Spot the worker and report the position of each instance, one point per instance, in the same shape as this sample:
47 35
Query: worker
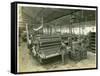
63 52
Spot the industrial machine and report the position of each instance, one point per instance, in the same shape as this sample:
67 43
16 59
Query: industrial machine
45 47
92 42
46 42
78 51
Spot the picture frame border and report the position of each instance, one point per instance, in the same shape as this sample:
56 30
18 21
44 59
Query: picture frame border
14 36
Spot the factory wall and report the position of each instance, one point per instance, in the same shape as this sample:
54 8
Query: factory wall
82 24
77 28
23 19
